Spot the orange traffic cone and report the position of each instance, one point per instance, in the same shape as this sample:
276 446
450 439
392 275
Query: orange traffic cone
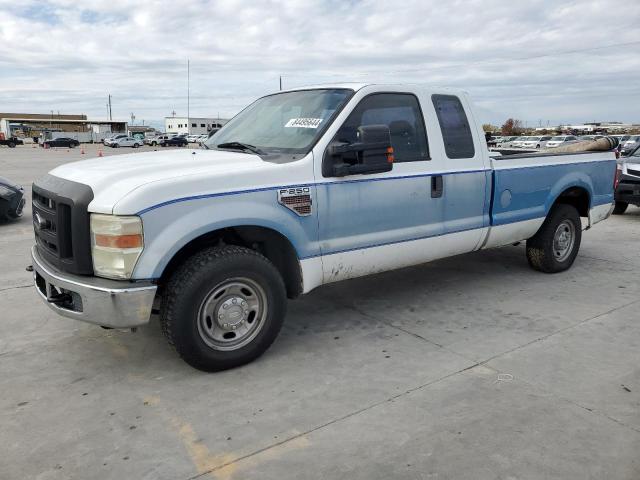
100 152
82 151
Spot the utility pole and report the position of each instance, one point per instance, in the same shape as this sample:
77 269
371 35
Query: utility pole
109 106
280 82
188 96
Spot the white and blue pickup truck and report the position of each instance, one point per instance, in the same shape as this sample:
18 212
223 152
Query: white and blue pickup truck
302 188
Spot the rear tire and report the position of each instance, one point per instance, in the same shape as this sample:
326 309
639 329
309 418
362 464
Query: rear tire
555 246
620 208
223 307
11 145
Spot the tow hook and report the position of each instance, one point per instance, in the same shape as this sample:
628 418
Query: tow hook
60 298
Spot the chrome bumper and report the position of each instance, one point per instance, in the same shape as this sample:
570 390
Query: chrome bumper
110 303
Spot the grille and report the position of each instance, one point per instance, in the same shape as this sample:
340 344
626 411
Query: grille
301 204
52 226
633 172
61 224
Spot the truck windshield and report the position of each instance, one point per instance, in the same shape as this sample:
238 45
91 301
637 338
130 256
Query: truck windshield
282 124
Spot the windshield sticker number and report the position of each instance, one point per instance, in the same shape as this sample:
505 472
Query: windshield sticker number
304 123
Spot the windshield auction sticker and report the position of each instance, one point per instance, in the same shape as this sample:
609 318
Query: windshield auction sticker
304 122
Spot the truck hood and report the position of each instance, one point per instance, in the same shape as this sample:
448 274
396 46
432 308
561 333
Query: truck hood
128 184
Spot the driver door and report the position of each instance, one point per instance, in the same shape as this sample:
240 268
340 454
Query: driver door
371 222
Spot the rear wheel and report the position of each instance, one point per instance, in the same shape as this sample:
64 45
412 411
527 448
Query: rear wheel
620 208
223 307
555 246
11 145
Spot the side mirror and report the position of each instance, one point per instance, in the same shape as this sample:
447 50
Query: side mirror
373 153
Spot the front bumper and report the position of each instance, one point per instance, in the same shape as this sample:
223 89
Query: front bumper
628 191
109 303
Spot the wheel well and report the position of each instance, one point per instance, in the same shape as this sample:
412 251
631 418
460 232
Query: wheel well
578 197
273 245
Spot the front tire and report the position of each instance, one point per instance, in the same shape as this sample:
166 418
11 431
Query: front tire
555 246
620 208
223 307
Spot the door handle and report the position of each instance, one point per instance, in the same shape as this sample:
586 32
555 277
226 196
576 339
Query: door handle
437 186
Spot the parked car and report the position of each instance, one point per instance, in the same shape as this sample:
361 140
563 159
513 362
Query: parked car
505 142
11 200
192 138
517 143
628 182
109 140
157 140
630 145
536 142
273 209
61 142
202 138
561 140
126 142
10 142
178 141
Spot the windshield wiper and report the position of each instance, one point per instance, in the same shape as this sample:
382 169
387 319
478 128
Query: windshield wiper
241 146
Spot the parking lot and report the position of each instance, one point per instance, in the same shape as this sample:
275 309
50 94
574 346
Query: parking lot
470 367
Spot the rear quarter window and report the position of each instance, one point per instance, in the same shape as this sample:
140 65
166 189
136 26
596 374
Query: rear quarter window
456 132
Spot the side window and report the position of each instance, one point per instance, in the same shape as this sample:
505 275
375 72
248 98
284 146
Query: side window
398 111
458 142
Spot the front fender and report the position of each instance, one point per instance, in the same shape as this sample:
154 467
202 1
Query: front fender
169 228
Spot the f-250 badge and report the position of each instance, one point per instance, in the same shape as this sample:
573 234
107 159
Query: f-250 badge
296 199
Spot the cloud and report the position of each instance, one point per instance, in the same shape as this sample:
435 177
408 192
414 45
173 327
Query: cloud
538 60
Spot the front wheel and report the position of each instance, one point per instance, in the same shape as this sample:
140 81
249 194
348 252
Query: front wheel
555 246
620 208
223 307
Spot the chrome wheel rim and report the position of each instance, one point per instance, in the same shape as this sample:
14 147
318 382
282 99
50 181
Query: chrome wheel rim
563 240
232 314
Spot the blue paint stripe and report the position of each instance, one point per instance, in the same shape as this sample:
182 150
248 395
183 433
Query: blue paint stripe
277 187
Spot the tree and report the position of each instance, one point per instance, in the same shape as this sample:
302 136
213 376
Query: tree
512 127
487 127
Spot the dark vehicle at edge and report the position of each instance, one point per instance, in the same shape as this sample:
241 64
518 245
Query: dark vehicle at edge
61 142
10 142
174 142
628 185
11 200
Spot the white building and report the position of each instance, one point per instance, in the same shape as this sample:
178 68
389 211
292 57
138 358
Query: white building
192 125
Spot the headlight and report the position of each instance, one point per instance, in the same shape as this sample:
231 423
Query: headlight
116 244
6 191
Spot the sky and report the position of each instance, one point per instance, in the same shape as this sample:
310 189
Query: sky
544 62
